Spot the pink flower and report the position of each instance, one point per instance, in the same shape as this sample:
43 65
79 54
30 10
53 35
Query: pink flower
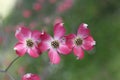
36 6
26 13
30 76
55 45
27 42
82 41
64 6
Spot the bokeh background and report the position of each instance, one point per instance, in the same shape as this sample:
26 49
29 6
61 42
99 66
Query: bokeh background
103 18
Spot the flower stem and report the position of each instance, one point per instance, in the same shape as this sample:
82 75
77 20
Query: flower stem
10 65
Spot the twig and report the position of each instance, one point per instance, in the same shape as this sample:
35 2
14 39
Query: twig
9 65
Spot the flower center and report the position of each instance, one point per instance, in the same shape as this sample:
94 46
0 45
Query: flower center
29 43
78 41
55 44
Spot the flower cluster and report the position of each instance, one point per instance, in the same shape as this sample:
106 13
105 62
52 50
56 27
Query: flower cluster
36 42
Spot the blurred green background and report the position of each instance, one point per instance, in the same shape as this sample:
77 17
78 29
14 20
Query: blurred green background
103 18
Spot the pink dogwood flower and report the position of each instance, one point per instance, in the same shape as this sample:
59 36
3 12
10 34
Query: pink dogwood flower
54 45
26 13
64 6
37 6
30 76
27 42
82 41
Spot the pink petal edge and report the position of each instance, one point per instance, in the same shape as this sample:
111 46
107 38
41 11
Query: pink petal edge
70 40
54 56
20 49
36 34
83 31
88 43
43 46
22 32
59 30
34 52
45 37
30 76
78 51
64 49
